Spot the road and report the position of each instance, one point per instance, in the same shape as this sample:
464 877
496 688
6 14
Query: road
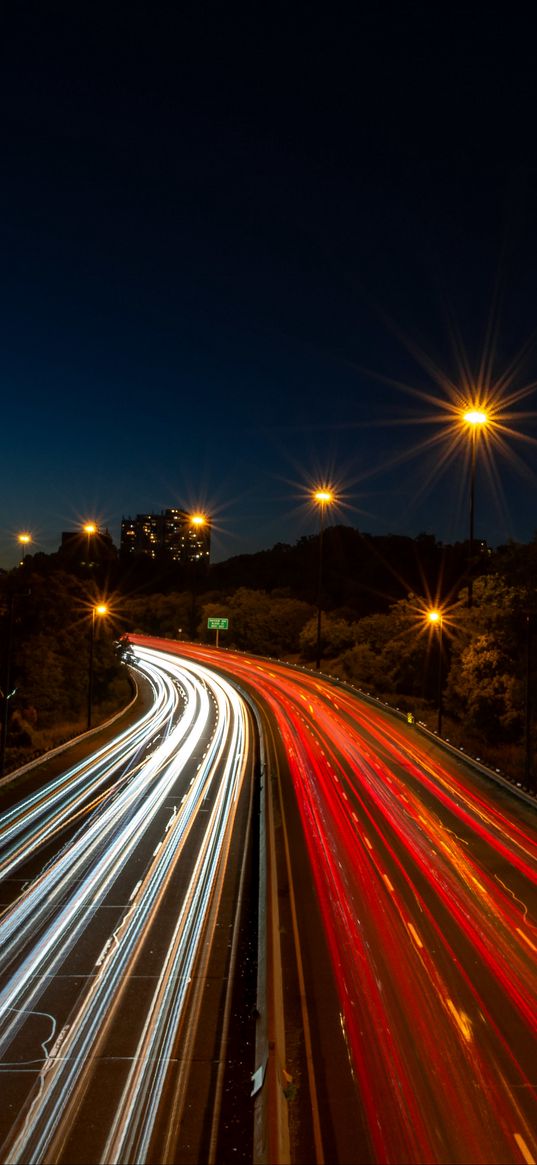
407 889
120 881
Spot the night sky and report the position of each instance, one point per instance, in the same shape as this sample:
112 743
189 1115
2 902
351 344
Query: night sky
242 255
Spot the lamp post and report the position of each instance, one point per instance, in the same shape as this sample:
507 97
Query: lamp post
99 609
323 497
196 522
476 419
435 619
89 529
24 540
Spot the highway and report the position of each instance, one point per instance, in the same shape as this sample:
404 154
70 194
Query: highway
403 935
119 883
407 891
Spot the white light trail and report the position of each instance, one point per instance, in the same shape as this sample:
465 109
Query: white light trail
55 910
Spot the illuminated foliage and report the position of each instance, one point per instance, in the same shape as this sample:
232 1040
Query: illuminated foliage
261 623
485 683
49 660
336 636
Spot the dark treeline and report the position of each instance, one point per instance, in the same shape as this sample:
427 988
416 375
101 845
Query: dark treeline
45 628
362 572
374 594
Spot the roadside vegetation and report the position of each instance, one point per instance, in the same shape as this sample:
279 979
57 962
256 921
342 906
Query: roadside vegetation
46 621
375 634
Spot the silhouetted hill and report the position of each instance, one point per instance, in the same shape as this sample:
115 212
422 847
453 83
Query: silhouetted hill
361 572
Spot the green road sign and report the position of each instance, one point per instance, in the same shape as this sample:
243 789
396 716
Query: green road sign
217 624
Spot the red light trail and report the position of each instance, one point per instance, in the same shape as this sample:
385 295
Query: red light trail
427 892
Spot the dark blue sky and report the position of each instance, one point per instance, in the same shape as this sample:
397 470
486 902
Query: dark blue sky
221 239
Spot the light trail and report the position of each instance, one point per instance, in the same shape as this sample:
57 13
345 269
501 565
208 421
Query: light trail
52 916
427 891
32 822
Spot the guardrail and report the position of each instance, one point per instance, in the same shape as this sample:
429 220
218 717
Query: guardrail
513 786
509 783
48 753
271 1121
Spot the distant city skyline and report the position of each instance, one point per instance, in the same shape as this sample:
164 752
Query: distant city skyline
173 534
300 521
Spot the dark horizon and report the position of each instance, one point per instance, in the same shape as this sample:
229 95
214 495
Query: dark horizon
243 258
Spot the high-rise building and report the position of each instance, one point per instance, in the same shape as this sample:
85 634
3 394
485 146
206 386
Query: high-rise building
142 535
171 536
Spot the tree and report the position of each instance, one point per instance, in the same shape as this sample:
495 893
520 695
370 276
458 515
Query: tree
50 652
392 653
483 690
261 623
157 614
336 636
485 684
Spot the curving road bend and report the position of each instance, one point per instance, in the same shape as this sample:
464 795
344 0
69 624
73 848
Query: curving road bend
411 896
113 878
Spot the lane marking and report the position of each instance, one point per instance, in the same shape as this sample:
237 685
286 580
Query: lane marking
462 1021
415 935
529 1159
135 891
526 939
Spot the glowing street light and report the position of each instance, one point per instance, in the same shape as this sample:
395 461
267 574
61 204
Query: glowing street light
435 619
197 522
477 419
323 497
24 539
98 611
89 529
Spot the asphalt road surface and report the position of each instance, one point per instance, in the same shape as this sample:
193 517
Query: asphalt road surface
407 923
409 933
120 881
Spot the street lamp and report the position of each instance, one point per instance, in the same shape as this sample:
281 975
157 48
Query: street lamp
98 610
24 540
196 522
89 529
435 619
322 497
476 419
